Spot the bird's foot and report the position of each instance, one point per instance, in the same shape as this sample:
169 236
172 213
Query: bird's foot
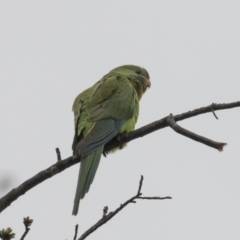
119 140
105 153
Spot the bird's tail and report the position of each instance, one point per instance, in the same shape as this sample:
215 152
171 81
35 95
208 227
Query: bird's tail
87 171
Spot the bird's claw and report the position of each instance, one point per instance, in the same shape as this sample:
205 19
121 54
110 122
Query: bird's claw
119 140
105 153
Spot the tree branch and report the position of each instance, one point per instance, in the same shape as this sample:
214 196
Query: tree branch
107 216
162 123
60 166
218 145
56 168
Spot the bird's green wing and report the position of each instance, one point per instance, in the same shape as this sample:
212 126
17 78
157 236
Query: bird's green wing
109 107
81 123
112 98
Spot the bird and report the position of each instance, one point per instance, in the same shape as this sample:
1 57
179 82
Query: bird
106 110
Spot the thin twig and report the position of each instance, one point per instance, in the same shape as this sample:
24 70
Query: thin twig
59 158
107 217
27 223
105 211
218 145
154 198
25 233
76 232
214 114
140 186
60 166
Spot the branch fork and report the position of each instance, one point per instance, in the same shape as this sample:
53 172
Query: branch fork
107 216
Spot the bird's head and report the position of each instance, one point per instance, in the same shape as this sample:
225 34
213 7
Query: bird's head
138 77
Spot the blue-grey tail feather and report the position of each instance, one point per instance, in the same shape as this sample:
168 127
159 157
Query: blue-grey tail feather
90 149
87 172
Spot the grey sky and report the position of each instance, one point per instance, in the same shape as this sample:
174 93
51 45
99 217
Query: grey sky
52 50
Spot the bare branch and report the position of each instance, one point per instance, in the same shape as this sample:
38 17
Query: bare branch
59 158
56 168
218 145
25 233
214 114
116 142
154 198
76 232
106 217
162 123
140 186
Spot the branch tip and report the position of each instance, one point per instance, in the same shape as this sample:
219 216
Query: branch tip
59 158
214 114
140 186
76 232
7 234
180 130
105 211
221 146
155 198
27 221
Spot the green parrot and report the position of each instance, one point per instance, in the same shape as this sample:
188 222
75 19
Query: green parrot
108 108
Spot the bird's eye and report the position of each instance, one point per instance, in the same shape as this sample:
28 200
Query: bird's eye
138 71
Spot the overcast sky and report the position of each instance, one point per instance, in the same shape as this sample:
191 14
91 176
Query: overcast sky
50 51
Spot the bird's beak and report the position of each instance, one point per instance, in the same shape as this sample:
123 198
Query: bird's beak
148 83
